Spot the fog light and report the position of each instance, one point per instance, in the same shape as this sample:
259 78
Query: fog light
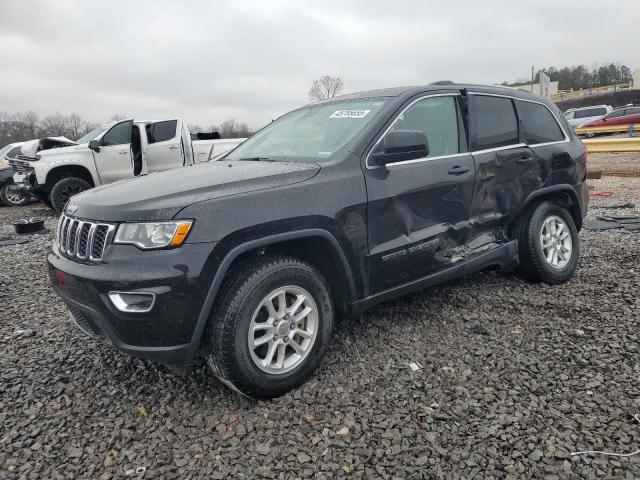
133 302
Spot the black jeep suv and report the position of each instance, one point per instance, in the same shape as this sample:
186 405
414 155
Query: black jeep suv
332 208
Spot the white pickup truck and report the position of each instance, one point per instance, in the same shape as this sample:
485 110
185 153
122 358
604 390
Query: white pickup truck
124 149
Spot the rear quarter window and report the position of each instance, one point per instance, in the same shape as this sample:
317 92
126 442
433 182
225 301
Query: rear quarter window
493 122
539 124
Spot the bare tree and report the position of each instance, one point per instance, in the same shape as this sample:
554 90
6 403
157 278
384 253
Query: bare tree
55 125
232 129
326 87
76 126
27 123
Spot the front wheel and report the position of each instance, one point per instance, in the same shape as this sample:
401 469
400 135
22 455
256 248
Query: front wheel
12 197
270 328
548 243
64 189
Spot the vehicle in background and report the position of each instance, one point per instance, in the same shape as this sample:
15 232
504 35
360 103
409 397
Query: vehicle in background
333 207
619 116
9 195
120 150
578 116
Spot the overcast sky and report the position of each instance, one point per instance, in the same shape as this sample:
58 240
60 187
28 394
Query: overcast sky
206 61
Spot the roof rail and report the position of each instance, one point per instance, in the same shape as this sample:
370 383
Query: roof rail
442 82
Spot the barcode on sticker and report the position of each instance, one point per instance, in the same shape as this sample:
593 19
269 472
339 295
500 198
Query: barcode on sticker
349 113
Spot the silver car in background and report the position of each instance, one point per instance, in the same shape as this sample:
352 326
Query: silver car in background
578 116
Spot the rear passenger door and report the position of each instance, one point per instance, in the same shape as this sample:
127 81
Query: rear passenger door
418 210
507 170
163 149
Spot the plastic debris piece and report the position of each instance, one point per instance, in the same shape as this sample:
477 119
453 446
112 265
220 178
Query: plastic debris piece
415 366
600 193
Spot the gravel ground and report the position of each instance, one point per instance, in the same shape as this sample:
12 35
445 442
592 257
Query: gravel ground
615 162
514 377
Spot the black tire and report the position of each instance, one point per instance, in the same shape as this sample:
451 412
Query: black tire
533 263
64 189
226 342
12 198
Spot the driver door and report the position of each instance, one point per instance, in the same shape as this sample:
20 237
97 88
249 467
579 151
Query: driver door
418 210
114 161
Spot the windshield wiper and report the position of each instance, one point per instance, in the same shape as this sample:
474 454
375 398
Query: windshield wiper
257 159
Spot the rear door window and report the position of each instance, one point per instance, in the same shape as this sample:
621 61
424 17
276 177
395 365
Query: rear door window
161 131
493 122
539 124
616 113
437 117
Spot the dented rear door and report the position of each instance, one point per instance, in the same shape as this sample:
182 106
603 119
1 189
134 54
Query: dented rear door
418 210
507 170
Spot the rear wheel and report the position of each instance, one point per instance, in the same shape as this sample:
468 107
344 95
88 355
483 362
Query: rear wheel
64 189
270 328
12 197
548 243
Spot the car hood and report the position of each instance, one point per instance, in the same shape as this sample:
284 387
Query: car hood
62 150
160 196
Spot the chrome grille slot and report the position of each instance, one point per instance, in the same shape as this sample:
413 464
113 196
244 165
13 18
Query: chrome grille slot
83 240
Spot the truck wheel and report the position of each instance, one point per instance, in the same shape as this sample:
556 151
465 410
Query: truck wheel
11 197
64 189
548 243
270 328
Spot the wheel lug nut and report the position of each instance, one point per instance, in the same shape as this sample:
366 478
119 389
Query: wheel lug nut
292 326
275 338
286 339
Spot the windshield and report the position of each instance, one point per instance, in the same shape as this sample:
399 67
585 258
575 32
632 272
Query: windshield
91 135
316 131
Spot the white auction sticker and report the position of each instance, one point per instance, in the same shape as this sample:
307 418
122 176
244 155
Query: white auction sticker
349 114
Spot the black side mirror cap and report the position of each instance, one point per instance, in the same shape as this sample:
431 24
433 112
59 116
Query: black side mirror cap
401 145
94 145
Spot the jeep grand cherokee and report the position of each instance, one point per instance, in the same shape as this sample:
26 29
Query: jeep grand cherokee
332 208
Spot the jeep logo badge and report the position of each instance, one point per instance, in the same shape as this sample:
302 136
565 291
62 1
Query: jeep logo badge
72 208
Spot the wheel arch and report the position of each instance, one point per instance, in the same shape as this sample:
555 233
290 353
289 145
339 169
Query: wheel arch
335 268
564 195
63 171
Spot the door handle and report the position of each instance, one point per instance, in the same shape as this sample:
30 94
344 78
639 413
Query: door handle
123 152
173 147
458 170
525 159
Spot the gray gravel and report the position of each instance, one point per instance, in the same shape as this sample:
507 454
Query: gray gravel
514 377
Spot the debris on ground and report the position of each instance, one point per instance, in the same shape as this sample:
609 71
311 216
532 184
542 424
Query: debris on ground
12 241
600 193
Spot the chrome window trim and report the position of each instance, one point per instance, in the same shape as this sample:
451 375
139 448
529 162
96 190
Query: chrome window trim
567 139
405 162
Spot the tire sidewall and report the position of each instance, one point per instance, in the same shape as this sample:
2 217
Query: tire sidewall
57 202
549 273
295 275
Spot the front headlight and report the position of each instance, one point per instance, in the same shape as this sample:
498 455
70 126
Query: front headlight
153 234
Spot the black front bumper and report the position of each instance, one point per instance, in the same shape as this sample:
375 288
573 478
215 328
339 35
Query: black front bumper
166 334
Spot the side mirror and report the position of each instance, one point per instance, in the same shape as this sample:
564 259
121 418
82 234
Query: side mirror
94 145
401 145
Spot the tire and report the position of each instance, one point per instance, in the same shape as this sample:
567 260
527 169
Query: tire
536 222
11 198
64 189
242 304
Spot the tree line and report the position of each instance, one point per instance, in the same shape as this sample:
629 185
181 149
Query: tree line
580 76
22 126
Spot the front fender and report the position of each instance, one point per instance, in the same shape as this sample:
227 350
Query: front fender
235 252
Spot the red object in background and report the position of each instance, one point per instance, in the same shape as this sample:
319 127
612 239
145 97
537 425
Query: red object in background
621 116
600 193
